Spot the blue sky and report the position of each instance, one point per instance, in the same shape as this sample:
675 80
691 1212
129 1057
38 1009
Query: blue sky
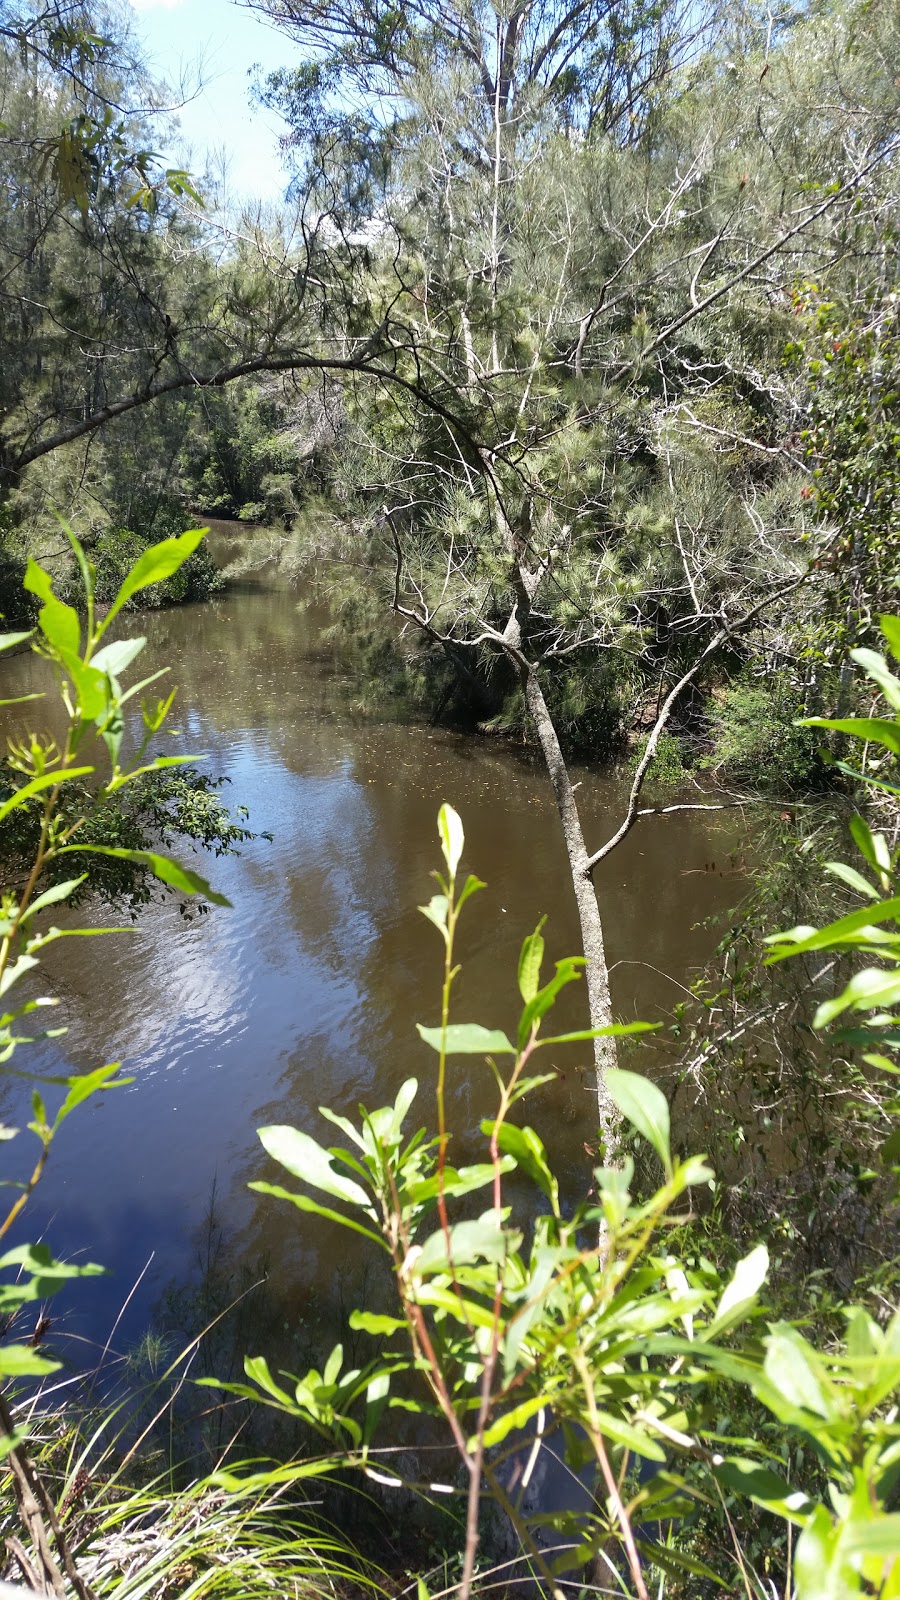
223 41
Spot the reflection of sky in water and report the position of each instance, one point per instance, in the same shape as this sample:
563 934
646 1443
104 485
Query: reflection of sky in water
307 991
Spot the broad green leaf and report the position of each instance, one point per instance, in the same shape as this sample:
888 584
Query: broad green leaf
452 838
369 1322
614 1030
20 1361
87 1084
47 780
764 1487
645 1107
84 566
633 1438
92 689
849 875
39 1275
304 1202
333 1366
822 1566
466 1039
865 843
257 1370
306 1160
840 932
162 867
530 1156
116 657
876 729
436 912
515 1418
470 887
51 896
13 973
876 668
406 1094
158 764
8 641
793 1368
740 1293
875 1536
482 1240
531 957
872 988
567 971
154 566
58 622
890 627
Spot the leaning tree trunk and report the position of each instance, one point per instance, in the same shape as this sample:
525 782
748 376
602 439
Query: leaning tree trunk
588 910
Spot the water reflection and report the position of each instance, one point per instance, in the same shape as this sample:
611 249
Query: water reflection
307 992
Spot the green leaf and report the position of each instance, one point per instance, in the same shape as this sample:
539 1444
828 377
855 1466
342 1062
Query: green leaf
470 887
466 1039
871 989
740 1293
333 1366
8 641
369 1322
865 843
529 1155
876 668
822 1567
675 1562
87 1084
531 957
633 1438
162 867
36 785
116 657
567 971
257 1370
890 627
840 932
516 1417
39 1275
154 566
614 1030
878 1536
306 1159
51 896
875 729
20 1361
764 1487
849 875
436 912
645 1107
482 1240
58 622
793 1368
304 1202
84 566
452 838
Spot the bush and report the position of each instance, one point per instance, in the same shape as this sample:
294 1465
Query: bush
117 549
756 742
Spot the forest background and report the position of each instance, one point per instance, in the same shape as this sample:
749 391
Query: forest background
568 373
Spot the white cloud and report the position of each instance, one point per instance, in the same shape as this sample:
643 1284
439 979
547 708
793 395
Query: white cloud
156 5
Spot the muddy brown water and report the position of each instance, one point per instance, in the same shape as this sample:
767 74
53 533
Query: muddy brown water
307 991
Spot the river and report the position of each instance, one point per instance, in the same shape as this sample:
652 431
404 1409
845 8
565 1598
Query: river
307 991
